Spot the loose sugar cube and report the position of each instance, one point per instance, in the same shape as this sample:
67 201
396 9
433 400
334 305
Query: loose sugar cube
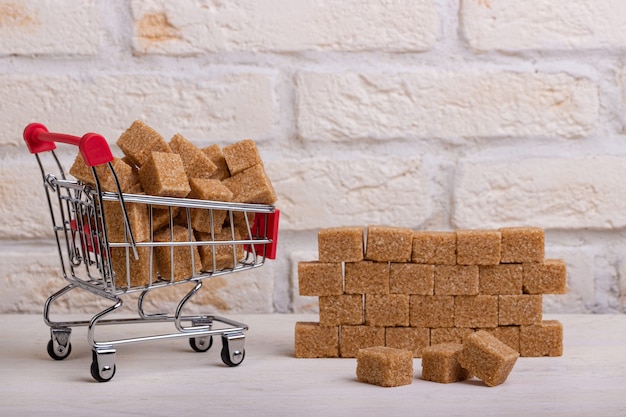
476 311
440 363
215 154
315 341
500 279
251 186
414 339
456 280
522 244
139 141
393 244
116 226
387 309
431 311
341 309
384 366
478 247
449 334
205 220
340 244
367 277
353 338
544 339
487 358
197 164
320 278
521 309
163 174
131 272
226 255
176 263
409 278
127 180
241 155
548 277
436 248
509 335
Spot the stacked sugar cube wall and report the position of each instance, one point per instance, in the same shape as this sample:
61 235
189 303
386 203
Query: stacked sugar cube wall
395 287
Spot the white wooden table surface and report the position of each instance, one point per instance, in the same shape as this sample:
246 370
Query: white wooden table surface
167 378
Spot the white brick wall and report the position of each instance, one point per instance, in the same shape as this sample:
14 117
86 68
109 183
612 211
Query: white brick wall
431 114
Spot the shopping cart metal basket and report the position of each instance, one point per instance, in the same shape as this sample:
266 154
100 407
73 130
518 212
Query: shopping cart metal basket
101 251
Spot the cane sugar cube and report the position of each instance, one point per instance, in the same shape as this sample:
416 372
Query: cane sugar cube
215 154
456 279
139 141
500 279
478 247
243 221
131 272
548 277
544 339
163 174
410 278
521 309
487 358
509 335
83 172
320 278
315 341
440 363
353 338
387 310
449 334
384 366
366 277
251 186
162 217
226 255
431 311
436 248
241 155
388 244
414 339
341 309
176 263
522 244
197 163
138 218
205 220
340 244
476 311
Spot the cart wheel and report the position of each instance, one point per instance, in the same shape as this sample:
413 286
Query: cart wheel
201 344
233 352
59 354
236 361
102 370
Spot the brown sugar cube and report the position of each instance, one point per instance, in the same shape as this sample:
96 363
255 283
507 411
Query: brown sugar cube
545 339
449 334
243 221
197 163
509 335
215 154
484 356
251 186
131 272
139 141
320 278
384 366
162 217
500 279
385 243
226 255
456 280
387 310
431 311
476 311
414 339
340 244
353 338
522 244
341 309
409 278
521 309
241 155
436 248
367 277
440 363
478 247
176 263
315 341
205 220
116 226
127 180
548 277
163 174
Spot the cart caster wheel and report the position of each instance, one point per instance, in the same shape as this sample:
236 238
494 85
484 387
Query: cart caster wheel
201 344
103 366
233 352
60 353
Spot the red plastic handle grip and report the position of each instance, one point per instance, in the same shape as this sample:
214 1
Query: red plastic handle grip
93 147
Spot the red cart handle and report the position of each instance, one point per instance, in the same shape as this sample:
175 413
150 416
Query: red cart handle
93 147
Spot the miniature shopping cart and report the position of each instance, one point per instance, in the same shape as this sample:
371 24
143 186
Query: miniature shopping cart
239 237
